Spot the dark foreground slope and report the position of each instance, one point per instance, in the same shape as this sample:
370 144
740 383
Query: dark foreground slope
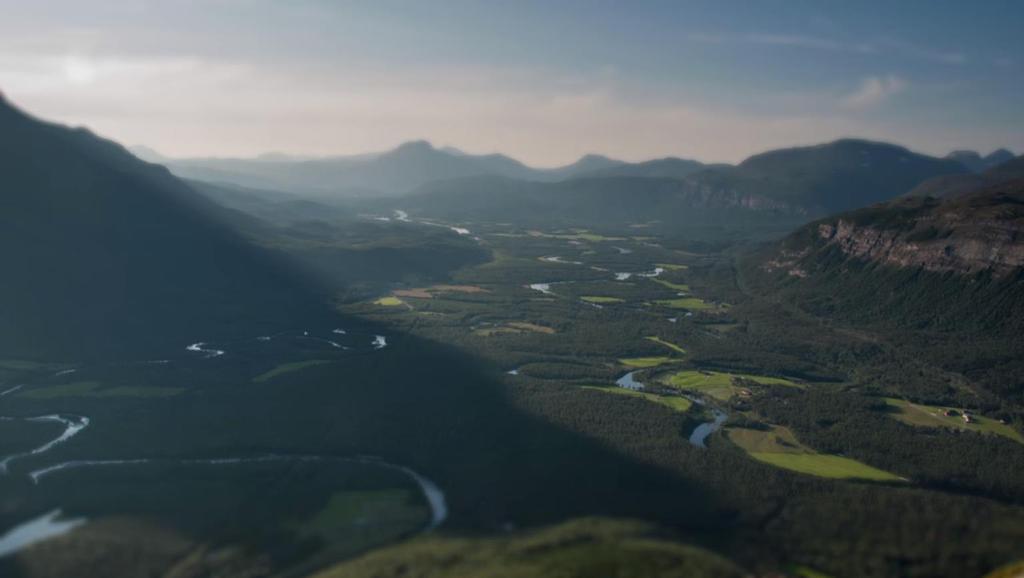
946 275
105 255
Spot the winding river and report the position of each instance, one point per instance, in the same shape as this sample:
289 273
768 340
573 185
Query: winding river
701 432
72 425
432 493
51 525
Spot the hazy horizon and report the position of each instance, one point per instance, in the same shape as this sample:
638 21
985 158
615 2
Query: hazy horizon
455 148
543 84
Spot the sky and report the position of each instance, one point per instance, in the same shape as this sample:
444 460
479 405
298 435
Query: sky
545 81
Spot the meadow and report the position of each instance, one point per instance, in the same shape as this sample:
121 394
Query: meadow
778 446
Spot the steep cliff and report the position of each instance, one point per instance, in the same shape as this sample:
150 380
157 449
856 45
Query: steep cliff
979 232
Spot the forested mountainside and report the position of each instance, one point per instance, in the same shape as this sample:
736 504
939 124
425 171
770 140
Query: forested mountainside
946 274
837 176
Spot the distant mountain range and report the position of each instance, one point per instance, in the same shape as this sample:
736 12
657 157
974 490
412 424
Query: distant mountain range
106 256
398 171
817 179
960 184
977 163
784 186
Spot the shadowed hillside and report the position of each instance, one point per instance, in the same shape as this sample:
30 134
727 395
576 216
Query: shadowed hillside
106 255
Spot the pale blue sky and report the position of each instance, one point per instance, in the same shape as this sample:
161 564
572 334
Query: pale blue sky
545 81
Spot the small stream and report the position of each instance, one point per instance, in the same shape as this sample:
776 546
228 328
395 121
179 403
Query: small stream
544 288
627 382
198 347
700 433
10 390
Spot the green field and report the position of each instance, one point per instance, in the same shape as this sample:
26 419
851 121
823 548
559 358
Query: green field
688 303
389 301
671 285
671 346
577 235
825 466
778 446
92 389
645 362
601 299
672 266
932 416
288 368
680 404
717 384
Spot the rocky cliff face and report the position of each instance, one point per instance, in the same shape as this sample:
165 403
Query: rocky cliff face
989 246
979 232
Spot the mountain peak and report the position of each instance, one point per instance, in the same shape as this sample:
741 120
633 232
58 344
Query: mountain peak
415 146
594 158
963 154
977 163
999 156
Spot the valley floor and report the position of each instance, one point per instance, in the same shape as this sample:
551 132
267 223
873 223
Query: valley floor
574 374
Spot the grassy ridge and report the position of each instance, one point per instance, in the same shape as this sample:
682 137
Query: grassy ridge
933 416
576 549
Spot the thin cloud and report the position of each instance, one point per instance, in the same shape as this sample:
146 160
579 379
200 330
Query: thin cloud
925 53
808 42
873 90
818 43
